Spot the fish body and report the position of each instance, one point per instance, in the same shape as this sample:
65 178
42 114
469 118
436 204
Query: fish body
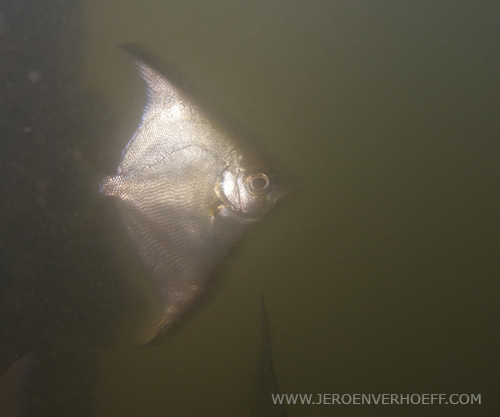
187 188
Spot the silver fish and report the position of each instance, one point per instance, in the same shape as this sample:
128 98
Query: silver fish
187 188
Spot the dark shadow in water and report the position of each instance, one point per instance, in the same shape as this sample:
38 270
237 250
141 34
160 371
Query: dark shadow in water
59 299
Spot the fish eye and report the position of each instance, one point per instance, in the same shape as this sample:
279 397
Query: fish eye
257 183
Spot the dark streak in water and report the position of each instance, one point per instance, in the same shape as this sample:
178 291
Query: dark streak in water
267 383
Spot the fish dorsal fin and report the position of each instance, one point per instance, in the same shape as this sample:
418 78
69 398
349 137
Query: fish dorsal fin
157 84
169 120
159 87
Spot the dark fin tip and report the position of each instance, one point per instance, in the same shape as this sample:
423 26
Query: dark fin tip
137 51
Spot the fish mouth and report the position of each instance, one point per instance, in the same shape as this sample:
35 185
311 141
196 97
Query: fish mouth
282 187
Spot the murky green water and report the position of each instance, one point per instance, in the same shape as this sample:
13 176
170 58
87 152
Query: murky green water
381 271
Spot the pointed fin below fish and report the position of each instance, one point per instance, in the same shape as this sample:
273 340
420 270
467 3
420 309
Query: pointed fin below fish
267 384
151 331
177 243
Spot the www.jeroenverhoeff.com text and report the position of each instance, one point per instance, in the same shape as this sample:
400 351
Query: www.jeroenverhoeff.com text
377 399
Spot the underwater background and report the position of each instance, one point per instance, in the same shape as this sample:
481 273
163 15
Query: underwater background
380 272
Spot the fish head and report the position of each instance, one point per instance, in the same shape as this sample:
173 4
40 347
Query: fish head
251 191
